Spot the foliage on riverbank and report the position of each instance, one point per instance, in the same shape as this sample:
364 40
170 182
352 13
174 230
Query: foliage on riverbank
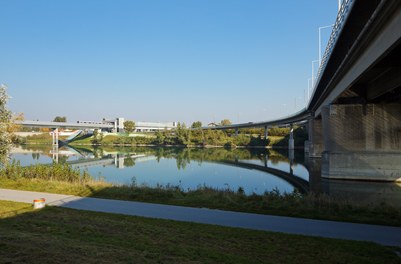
63 179
41 139
278 137
62 235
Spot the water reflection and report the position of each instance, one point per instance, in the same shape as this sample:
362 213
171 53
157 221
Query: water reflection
187 168
364 192
255 170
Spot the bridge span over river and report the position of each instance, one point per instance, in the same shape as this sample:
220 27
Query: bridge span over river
354 114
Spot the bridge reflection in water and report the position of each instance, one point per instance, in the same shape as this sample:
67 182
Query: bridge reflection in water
302 173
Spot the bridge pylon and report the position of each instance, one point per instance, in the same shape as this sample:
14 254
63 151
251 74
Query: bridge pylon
55 137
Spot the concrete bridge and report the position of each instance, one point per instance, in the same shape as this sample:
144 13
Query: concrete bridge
78 125
354 114
114 125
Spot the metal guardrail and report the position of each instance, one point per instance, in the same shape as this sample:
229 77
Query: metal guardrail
338 26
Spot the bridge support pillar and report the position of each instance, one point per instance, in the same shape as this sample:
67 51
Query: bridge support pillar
362 142
55 145
291 140
315 179
266 160
315 147
266 132
236 132
55 137
55 153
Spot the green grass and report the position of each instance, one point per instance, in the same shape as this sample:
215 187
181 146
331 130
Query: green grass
60 235
294 204
44 138
115 139
276 140
58 171
82 140
54 186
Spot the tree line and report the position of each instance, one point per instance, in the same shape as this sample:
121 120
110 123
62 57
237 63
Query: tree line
184 136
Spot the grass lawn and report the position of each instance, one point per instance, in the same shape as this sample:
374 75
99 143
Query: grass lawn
295 205
59 235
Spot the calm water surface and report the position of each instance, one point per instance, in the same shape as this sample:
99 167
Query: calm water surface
254 170
187 168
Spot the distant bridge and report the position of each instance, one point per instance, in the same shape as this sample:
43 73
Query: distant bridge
116 125
55 125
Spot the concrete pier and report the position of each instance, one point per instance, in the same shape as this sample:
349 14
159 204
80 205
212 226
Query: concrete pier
315 138
362 142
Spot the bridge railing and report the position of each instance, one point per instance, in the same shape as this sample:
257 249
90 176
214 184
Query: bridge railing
338 26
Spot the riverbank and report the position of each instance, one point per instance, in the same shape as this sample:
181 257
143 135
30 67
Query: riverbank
181 137
66 235
63 180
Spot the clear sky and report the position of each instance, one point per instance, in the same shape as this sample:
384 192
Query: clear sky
160 60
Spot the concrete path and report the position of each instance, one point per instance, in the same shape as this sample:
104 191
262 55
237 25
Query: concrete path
385 235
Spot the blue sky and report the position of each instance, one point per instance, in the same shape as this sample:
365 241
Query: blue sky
160 60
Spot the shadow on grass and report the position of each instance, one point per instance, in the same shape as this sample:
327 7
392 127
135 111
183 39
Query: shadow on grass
61 235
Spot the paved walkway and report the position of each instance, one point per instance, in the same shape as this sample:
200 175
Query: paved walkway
385 235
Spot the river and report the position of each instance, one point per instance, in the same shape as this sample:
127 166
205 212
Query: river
253 170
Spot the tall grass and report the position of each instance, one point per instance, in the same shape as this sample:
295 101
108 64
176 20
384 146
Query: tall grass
56 172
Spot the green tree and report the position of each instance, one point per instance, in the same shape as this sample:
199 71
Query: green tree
5 124
225 122
129 161
279 131
196 124
180 133
183 134
129 126
97 137
60 119
160 137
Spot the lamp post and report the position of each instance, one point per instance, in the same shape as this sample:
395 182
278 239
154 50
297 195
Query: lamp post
309 88
320 42
313 72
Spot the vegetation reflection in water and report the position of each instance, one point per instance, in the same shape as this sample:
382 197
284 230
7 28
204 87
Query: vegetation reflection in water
187 168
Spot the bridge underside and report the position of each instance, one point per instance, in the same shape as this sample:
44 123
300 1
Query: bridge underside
357 128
